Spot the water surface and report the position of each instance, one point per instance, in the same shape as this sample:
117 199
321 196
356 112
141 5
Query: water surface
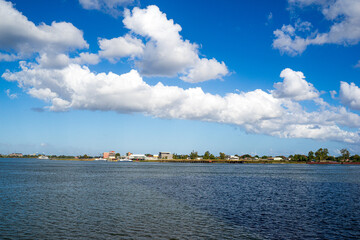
91 200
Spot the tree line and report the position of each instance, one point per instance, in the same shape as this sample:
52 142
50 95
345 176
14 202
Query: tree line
322 154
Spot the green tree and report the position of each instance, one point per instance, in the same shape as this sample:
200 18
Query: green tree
311 156
117 155
355 158
344 154
206 155
264 157
212 156
321 154
222 155
193 155
299 158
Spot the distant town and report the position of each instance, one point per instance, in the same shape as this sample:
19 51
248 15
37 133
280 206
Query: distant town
319 156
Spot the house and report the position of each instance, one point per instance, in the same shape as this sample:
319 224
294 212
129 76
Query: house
165 155
109 155
16 155
232 157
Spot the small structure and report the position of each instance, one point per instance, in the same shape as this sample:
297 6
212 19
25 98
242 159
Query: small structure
109 155
137 157
165 155
232 157
278 159
16 155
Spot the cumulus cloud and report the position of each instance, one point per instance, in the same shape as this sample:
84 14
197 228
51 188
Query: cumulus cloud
53 60
116 48
86 58
206 69
42 93
350 95
61 60
76 87
112 7
344 16
164 52
23 37
288 42
154 43
8 57
294 86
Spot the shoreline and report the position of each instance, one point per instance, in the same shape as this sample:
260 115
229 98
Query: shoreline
222 161
207 161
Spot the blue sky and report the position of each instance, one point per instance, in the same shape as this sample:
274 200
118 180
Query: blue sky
258 77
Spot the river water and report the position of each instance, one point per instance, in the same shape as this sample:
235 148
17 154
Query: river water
45 199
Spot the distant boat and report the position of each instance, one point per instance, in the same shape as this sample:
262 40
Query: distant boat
43 157
100 159
125 160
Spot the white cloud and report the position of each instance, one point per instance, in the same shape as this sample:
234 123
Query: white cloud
357 65
112 7
57 61
53 60
22 39
165 52
59 105
294 86
350 95
10 95
42 93
19 35
86 58
204 70
287 42
8 57
333 94
344 16
76 87
116 48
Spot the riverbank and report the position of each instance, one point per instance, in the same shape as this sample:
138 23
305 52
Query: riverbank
260 161
195 161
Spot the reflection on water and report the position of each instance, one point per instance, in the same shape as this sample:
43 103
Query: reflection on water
68 199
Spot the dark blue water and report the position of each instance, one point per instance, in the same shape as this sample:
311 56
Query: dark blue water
44 199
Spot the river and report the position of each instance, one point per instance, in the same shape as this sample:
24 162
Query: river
47 199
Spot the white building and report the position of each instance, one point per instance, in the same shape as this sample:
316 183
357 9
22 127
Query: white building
165 155
233 157
137 157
